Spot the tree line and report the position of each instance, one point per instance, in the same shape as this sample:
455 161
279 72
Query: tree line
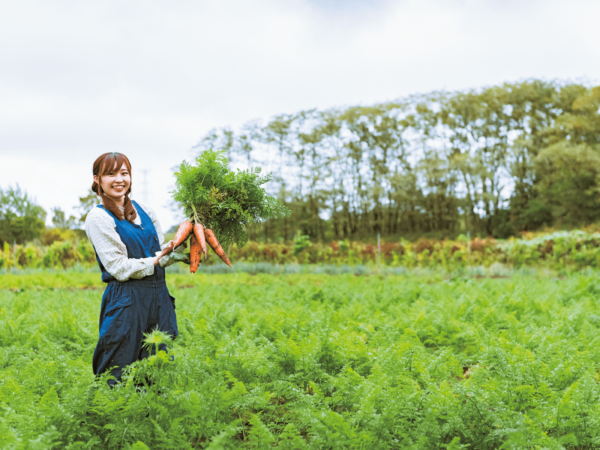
493 161
23 220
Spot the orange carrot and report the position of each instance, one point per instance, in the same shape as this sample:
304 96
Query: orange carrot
182 234
214 244
199 233
195 254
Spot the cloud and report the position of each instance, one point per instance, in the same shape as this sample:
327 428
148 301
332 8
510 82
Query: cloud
149 78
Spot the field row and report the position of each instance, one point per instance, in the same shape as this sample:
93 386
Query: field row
558 250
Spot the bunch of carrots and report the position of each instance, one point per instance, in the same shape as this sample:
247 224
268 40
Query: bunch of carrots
199 237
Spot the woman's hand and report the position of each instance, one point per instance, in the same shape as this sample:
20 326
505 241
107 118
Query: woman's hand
157 259
179 254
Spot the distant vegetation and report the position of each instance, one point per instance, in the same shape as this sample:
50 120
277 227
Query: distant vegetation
493 161
23 221
559 250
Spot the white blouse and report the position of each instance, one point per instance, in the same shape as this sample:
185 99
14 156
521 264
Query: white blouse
101 229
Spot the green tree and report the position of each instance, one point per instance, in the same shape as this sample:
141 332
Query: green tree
536 106
21 219
569 190
493 161
86 203
568 170
59 220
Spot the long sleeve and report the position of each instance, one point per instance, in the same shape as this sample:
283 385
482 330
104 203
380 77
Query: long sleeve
102 232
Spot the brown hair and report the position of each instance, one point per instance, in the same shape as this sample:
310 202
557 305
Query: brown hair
107 163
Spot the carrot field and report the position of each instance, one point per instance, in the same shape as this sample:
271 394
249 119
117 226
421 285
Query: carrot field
423 360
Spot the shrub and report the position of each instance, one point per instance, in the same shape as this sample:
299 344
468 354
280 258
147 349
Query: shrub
576 249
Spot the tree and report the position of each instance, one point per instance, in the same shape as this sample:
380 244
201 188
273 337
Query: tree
59 220
21 219
86 203
492 161
569 190
568 170
536 107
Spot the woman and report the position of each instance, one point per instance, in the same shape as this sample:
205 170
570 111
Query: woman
127 239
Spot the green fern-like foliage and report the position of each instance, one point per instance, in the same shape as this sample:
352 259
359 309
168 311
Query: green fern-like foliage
223 200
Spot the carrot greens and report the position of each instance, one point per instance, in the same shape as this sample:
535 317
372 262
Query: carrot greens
225 200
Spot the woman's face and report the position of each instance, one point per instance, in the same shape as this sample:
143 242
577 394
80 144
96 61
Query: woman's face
115 184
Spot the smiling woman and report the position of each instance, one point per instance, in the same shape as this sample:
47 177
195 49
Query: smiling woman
112 182
127 240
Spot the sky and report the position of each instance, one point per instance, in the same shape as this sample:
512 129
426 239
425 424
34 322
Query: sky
150 78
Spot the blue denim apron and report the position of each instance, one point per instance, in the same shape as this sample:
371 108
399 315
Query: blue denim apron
133 307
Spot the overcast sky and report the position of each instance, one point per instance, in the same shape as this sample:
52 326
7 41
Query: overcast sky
149 78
